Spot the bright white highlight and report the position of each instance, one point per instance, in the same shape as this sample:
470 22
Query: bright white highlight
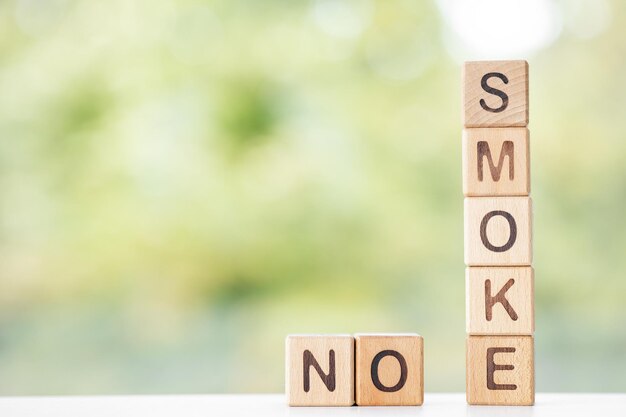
490 29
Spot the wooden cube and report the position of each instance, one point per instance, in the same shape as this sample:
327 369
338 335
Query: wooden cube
389 369
495 94
496 162
500 370
499 300
498 231
319 370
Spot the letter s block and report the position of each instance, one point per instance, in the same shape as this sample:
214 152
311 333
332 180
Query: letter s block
319 370
500 370
495 94
496 162
498 231
499 300
389 369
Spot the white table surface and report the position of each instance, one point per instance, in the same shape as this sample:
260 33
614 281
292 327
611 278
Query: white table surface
266 405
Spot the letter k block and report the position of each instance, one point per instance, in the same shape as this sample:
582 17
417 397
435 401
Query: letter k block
499 300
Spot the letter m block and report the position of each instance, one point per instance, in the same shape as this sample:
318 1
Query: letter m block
496 162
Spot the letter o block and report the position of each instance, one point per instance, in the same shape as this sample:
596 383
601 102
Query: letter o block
389 369
495 94
500 370
498 231
319 370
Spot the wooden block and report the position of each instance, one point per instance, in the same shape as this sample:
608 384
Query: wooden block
389 369
319 370
499 300
495 94
500 370
498 231
496 162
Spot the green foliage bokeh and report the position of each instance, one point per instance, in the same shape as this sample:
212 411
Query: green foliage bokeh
183 183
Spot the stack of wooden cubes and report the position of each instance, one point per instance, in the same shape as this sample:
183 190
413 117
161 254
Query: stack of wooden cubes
498 240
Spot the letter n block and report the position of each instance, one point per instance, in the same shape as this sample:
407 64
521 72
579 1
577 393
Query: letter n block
498 231
500 370
496 162
495 94
499 300
389 369
319 370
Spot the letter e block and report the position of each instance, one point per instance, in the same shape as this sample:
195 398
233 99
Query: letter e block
389 369
319 370
496 162
499 300
495 94
500 370
498 231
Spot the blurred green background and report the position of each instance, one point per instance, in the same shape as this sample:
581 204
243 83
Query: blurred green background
183 183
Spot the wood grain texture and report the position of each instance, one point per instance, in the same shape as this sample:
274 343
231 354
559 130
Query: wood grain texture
496 162
500 370
325 388
495 94
498 231
499 300
389 369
